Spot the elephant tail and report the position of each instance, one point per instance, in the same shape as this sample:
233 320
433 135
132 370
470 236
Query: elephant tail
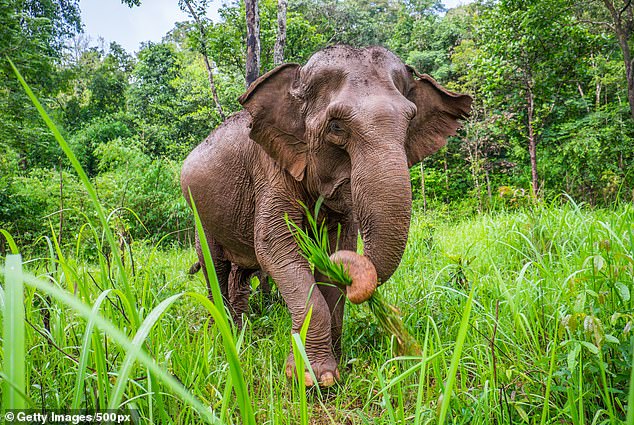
194 268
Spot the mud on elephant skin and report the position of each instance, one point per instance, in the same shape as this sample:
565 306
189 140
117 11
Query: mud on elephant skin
346 126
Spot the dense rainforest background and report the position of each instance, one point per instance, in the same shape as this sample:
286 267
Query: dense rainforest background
550 79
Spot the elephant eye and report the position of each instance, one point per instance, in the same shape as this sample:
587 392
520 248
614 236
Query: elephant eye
336 127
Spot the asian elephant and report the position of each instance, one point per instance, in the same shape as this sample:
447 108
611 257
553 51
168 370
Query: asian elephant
346 126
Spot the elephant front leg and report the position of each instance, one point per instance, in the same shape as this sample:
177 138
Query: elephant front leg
278 255
319 338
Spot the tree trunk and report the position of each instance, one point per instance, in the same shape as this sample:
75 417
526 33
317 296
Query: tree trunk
446 178
474 166
629 74
489 194
422 186
623 32
583 97
253 41
532 141
280 41
629 68
214 93
203 51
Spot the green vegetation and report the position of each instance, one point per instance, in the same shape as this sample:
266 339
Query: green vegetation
549 336
547 76
523 311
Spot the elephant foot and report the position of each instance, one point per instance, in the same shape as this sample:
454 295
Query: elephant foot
326 372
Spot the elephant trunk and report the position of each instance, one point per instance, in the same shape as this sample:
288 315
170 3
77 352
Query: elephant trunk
382 202
362 273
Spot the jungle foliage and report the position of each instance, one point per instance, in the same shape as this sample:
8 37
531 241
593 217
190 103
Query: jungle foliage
548 78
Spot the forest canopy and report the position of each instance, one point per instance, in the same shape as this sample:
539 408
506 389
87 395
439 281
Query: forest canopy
552 82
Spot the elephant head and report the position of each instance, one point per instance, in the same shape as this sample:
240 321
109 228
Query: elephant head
348 125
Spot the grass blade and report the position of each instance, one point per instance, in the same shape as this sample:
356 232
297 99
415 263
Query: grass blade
551 370
455 358
630 398
12 246
85 351
421 379
209 264
302 362
137 346
14 355
219 313
237 377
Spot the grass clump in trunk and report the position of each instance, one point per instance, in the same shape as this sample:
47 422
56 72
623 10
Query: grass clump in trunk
315 247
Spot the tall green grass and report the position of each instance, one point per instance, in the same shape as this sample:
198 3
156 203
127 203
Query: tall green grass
92 193
548 338
542 327
14 388
14 320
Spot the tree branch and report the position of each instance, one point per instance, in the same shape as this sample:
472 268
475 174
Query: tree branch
203 51
597 23
629 2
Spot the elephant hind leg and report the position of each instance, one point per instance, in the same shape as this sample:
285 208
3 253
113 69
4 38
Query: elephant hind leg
265 286
222 266
195 268
239 291
335 297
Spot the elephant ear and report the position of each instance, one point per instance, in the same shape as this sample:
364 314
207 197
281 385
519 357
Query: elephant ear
438 112
277 122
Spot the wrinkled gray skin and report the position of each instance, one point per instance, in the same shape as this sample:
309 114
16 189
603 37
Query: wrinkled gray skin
345 126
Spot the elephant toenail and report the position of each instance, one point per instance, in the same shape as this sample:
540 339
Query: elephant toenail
308 380
290 371
327 379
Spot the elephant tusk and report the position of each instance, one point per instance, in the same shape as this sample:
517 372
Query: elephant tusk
361 271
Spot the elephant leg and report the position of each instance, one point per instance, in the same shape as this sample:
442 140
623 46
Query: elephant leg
318 343
239 291
221 265
335 297
264 289
265 286
278 255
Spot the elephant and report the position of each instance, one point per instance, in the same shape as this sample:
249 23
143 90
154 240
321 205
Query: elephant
237 289
346 127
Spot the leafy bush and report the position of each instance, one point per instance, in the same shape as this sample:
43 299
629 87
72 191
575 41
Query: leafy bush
43 198
96 133
143 193
590 157
130 180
